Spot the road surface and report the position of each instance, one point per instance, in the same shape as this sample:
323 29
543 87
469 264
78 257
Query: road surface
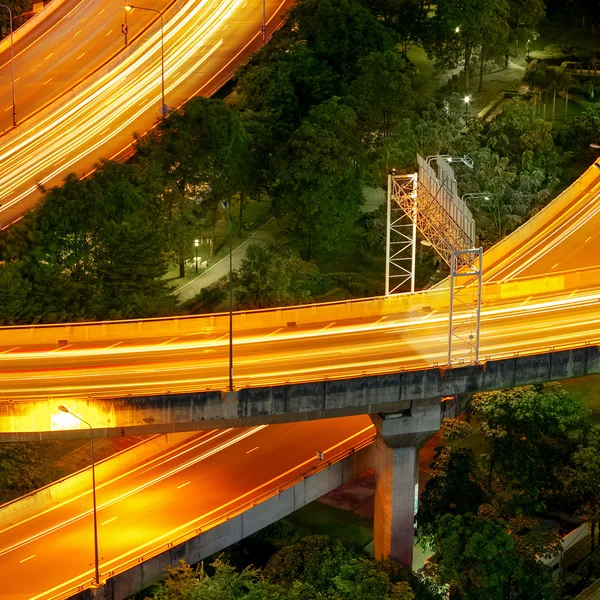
204 44
220 473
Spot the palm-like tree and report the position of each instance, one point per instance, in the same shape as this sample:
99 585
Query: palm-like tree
588 88
537 76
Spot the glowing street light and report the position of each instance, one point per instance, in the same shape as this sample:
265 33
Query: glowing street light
466 100
457 29
12 65
225 205
130 8
64 409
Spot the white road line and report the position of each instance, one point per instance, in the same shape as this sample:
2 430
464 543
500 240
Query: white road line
28 558
328 326
588 239
183 485
61 347
10 350
274 332
113 345
429 314
253 449
554 266
379 320
167 342
109 521
221 337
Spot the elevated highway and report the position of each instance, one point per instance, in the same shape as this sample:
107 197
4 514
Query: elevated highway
72 116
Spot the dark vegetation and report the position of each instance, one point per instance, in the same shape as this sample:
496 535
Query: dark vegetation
483 508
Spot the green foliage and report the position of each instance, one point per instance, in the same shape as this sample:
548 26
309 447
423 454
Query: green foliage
340 32
275 276
455 487
319 190
532 432
475 556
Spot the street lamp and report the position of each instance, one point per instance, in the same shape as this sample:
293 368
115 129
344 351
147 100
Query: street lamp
12 65
225 205
196 242
474 195
457 29
64 409
467 99
528 42
129 8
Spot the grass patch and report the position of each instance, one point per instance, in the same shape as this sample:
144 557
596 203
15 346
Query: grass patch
587 391
317 518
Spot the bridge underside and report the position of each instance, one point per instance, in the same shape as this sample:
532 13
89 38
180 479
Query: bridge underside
401 391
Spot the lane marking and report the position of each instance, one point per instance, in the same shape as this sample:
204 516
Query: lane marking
7 109
49 55
183 485
429 314
526 300
61 347
379 320
49 80
108 33
221 337
588 239
77 33
109 521
253 449
10 350
168 341
274 332
554 266
28 558
82 54
113 345
330 325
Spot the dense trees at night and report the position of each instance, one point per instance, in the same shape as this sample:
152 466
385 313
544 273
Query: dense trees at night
481 509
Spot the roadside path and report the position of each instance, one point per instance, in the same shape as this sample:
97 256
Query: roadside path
220 269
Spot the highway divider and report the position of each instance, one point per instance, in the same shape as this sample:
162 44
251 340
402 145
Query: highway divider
54 494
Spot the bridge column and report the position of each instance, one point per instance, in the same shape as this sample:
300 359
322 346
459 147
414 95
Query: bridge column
400 436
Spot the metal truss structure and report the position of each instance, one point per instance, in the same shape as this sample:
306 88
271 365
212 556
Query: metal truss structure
430 204
401 234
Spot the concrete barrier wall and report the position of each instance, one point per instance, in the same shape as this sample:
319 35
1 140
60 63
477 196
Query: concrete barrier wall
318 400
72 485
215 538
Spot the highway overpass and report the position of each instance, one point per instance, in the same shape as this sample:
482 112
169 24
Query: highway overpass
384 354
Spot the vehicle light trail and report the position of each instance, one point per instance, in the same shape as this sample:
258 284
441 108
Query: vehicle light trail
136 506
100 116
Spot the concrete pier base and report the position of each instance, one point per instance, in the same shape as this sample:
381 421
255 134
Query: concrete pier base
400 436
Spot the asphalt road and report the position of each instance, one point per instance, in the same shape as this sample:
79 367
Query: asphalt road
204 43
143 509
60 50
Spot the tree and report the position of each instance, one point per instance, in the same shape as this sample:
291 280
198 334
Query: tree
531 432
407 18
319 189
475 556
274 276
455 487
523 19
460 27
340 32
382 92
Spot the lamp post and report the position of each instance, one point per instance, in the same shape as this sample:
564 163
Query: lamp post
64 409
12 65
264 25
528 42
196 242
129 8
225 205
467 99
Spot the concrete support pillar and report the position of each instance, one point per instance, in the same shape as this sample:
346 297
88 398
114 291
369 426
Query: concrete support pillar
400 436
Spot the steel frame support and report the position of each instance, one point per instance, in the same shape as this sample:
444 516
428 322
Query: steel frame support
401 236
466 325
